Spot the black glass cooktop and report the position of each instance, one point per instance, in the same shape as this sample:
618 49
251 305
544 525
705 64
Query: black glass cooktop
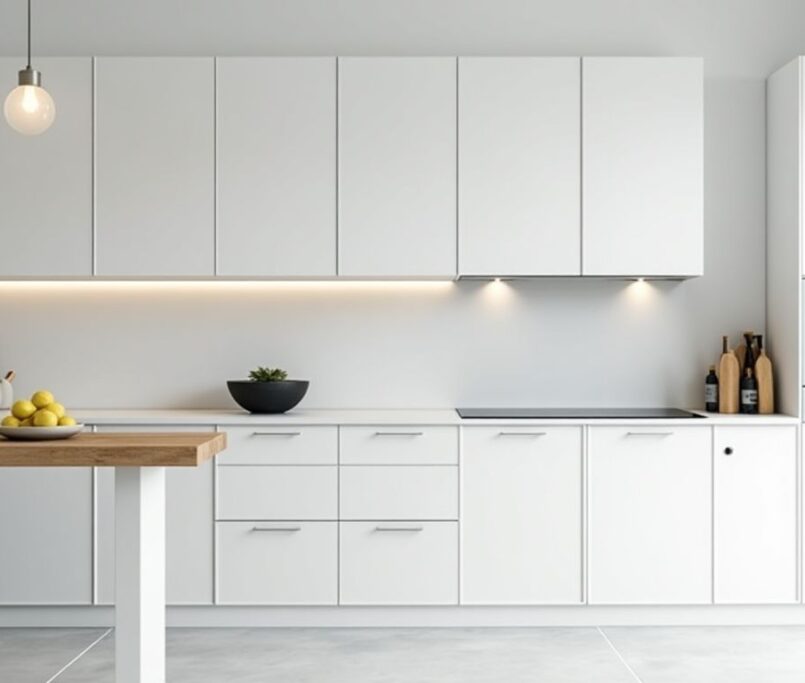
575 413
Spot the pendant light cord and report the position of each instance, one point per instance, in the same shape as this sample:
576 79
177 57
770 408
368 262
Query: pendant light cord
29 34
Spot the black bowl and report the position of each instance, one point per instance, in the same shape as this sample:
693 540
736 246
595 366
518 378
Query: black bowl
267 397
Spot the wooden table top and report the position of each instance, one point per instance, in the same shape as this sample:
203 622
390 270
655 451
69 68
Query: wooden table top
115 449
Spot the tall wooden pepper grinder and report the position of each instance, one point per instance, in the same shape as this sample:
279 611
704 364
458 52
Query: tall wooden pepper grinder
728 379
764 375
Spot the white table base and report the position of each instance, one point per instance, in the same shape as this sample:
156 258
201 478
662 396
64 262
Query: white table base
140 574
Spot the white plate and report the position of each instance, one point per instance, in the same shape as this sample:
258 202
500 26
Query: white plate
40 433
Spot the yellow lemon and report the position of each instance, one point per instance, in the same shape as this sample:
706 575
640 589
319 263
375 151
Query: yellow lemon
22 409
27 422
56 408
44 418
11 421
42 398
66 421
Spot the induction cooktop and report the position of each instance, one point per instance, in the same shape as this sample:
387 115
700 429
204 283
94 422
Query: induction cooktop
575 413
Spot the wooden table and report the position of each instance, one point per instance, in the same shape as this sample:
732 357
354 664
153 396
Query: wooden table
139 461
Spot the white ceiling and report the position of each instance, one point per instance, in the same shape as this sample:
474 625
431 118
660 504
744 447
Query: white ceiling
738 38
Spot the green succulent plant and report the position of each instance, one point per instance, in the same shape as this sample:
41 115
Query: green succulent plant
261 374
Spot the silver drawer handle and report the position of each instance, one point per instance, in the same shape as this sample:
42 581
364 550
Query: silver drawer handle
399 433
276 433
277 528
522 433
662 434
399 528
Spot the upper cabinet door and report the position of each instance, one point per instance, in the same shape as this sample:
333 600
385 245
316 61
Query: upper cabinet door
397 166
46 219
642 166
155 179
276 161
519 166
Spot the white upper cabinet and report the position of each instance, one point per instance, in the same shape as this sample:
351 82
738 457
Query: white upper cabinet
155 178
276 157
649 515
46 218
519 166
397 166
755 513
642 180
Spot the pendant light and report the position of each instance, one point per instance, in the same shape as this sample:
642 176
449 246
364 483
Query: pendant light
29 109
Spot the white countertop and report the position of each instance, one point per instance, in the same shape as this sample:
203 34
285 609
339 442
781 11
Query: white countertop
437 416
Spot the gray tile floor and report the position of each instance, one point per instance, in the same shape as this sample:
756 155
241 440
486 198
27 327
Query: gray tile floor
550 655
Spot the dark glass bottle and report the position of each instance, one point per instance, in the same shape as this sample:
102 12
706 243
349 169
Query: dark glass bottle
711 391
749 357
749 392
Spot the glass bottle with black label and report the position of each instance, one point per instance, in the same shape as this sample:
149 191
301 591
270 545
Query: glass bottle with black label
711 391
749 392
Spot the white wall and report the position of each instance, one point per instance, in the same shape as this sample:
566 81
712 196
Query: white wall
545 342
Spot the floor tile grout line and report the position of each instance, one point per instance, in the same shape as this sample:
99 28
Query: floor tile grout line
79 656
618 655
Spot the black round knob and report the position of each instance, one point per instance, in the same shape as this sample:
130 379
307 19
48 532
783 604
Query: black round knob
728 451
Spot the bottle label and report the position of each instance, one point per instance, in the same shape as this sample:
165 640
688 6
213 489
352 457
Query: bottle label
749 397
711 393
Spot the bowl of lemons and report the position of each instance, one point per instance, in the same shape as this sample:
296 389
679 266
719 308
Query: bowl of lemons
41 418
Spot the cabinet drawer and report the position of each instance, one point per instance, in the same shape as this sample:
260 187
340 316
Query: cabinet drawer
269 445
290 563
399 563
398 492
277 493
395 445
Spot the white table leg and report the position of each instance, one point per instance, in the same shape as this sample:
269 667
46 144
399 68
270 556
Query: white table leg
140 574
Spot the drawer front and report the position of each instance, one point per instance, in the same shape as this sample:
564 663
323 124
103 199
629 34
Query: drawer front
399 563
398 492
513 442
395 445
290 563
277 493
270 445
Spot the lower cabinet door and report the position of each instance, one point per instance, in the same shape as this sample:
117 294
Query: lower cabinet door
399 563
521 516
277 563
649 517
45 535
755 488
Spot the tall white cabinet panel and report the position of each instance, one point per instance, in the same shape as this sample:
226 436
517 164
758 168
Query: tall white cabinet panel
189 530
755 490
642 142
46 217
45 535
276 166
519 165
649 515
155 183
521 515
397 166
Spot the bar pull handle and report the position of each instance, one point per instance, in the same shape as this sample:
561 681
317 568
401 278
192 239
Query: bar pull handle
656 434
276 433
400 528
399 433
532 434
286 529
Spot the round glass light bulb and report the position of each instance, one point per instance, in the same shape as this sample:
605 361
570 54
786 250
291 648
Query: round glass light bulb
29 109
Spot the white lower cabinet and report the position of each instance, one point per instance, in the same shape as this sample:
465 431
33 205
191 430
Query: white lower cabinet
189 529
649 517
45 535
755 514
399 563
273 563
521 515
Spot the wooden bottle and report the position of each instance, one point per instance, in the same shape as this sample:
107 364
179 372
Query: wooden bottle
728 379
765 380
